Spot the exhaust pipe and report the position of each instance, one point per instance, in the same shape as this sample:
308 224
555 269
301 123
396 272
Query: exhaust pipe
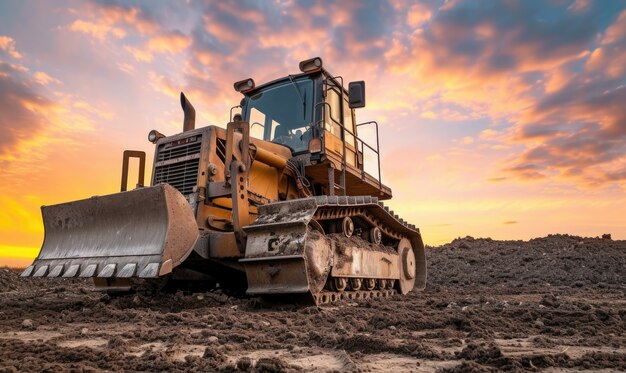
189 122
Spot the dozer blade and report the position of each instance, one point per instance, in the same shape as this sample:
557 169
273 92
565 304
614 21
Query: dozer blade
141 233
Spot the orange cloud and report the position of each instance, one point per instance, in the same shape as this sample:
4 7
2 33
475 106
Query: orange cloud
132 17
98 30
616 31
163 85
139 54
497 118
418 14
171 43
7 44
168 43
45 79
125 67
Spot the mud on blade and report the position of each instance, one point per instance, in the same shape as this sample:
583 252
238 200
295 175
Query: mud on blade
141 233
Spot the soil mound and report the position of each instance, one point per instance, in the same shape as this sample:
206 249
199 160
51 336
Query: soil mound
558 260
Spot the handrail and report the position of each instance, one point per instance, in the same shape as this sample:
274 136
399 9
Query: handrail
231 112
380 184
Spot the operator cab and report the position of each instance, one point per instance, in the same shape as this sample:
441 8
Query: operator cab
313 115
282 112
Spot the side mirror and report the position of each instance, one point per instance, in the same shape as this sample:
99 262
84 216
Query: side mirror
356 94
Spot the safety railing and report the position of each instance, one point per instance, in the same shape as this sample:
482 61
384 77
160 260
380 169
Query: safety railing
345 130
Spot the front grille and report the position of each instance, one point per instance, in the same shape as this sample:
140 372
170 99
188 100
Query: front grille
178 165
177 152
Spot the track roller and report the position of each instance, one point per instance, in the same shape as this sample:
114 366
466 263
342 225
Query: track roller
347 226
374 235
341 283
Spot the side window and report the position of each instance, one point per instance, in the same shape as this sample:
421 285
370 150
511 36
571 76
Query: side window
257 123
333 113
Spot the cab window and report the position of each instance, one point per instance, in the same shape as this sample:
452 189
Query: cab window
283 113
333 112
337 114
257 123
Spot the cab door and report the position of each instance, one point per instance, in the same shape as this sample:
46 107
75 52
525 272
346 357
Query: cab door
339 126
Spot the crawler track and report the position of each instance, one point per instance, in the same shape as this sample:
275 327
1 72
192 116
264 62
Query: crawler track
348 248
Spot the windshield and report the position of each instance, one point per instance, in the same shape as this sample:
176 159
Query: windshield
283 114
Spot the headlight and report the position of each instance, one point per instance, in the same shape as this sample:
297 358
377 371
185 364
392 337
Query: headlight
311 65
245 85
154 136
315 145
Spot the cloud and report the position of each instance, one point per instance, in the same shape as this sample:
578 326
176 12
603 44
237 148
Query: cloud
35 121
22 107
90 109
616 32
125 67
467 140
98 30
7 44
143 33
480 51
139 54
509 222
169 42
497 179
45 79
577 132
517 66
541 79
417 14
527 171
136 17
164 85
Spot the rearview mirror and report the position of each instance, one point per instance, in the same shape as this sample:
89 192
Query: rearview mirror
356 94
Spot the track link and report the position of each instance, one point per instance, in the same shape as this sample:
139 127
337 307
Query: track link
326 297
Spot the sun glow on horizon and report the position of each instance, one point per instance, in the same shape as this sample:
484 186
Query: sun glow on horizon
509 131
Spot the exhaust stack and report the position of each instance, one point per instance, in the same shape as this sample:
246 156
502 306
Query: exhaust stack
189 122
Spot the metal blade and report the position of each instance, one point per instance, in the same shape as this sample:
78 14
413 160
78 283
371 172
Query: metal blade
145 232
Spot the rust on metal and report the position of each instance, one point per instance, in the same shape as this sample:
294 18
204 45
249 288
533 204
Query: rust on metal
287 251
142 168
189 121
141 233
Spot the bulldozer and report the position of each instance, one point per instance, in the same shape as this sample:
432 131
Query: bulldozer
278 203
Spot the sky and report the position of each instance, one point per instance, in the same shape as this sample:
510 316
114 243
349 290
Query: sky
502 119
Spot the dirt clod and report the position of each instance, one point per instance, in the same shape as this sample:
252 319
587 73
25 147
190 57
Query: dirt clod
28 324
272 365
244 364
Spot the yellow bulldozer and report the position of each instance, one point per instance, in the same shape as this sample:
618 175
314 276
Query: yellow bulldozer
278 202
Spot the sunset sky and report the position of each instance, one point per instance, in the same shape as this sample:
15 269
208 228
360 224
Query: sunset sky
502 119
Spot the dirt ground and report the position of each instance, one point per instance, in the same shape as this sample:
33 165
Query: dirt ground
553 304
